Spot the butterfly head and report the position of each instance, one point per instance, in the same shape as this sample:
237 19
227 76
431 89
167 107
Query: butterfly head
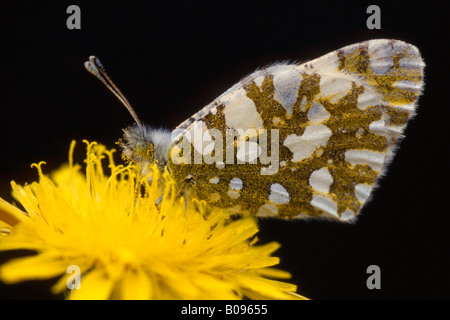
146 146
140 144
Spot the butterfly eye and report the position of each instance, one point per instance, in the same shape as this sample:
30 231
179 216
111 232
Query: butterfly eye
144 149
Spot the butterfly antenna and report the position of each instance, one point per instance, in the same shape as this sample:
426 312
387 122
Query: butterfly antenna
95 67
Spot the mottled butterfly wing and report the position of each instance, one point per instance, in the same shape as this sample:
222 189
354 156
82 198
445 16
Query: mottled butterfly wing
305 140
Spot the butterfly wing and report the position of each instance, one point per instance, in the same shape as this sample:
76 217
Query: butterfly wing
305 140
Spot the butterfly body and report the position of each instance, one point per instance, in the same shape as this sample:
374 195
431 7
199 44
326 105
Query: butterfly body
294 141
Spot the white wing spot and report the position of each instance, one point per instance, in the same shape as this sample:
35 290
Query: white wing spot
335 88
236 184
321 180
369 98
317 113
347 215
286 81
315 135
240 112
324 204
359 132
362 192
379 51
368 157
378 127
267 210
324 65
214 180
233 194
278 194
214 197
302 216
259 80
220 164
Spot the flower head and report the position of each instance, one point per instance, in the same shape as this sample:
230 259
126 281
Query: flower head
133 239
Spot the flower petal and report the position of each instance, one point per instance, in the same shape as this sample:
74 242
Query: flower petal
265 288
10 214
136 285
43 266
95 285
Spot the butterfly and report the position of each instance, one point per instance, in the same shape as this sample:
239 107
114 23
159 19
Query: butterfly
290 140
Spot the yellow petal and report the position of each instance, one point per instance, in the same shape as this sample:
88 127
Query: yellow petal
43 266
95 285
136 285
10 214
269 289
274 273
61 284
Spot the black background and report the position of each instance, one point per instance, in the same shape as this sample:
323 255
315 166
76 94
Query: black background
172 59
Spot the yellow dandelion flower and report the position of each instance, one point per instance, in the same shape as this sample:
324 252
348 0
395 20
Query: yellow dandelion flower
130 242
